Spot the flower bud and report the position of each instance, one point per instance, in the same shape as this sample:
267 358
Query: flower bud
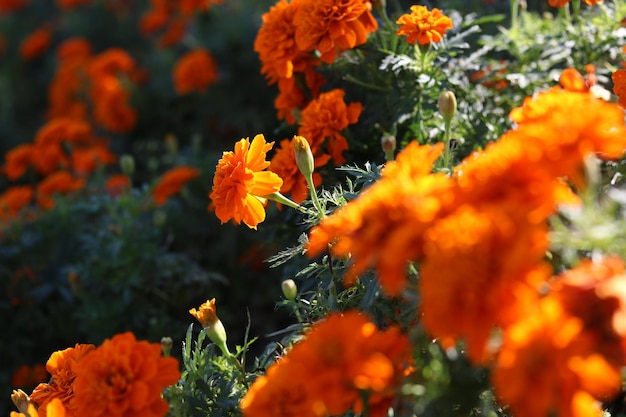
388 143
290 290
166 345
207 316
127 165
304 156
447 105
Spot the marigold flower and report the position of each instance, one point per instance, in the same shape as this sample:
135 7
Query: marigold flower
325 118
284 164
240 183
124 377
207 316
14 199
619 86
8 6
194 71
36 43
291 97
323 373
333 26
17 160
29 376
86 159
171 182
117 184
62 367
423 26
59 182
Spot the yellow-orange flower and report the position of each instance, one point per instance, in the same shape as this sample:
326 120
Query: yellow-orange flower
323 373
206 313
619 86
324 119
240 183
423 26
36 43
333 26
194 71
171 182
124 377
62 368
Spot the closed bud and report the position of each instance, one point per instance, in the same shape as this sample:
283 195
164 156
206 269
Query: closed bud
290 290
127 165
388 144
166 345
447 105
304 156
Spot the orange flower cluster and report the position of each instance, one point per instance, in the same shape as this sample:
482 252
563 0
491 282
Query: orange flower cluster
324 373
194 71
423 26
171 18
566 351
291 30
36 43
8 6
68 85
122 377
500 197
241 182
171 182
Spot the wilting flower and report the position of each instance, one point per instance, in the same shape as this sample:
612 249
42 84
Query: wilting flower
333 26
62 367
36 43
171 182
194 71
124 377
324 119
423 26
324 373
240 183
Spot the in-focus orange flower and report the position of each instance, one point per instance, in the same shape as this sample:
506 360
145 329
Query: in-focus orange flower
284 164
14 199
206 313
29 376
292 97
619 86
423 26
333 26
324 119
62 368
323 373
36 43
124 377
241 182
171 182
194 71
61 182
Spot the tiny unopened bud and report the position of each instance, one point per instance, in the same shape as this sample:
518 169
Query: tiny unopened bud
171 144
207 316
304 156
127 165
388 143
447 105
290 289
166 345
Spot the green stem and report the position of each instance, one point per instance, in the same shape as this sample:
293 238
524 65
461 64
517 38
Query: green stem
514 13
575 9
447 153
314 198
365 412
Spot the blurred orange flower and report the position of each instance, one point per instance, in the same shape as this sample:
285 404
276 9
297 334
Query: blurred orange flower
284 164
36 43
117 184
333 26
85 160
61 182
171 182
619 86
8 6
29 376
70 4
124 377
62 368
14 199
423 26
17 161
194 71
324 118
240 183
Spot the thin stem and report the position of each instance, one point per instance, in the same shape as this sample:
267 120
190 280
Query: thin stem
575 9
314 198
447 153
514 13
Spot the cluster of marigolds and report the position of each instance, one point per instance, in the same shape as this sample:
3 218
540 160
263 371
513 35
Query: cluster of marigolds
558 339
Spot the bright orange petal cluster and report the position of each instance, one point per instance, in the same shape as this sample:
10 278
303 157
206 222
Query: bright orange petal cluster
124 377
171 182
619 86
324 119
323 373
423 26
241 182
566 353
36 43
194 71
62 367
333 26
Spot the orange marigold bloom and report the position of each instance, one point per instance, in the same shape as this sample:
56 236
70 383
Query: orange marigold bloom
14 199
339 356
62 367
85 160
36 43
206 313
64 130
333 26
153 20
291 97
619 86
124 377
8 6
194 71
29 376
60 182
111 108
240 183
325 118
17 160
117 184
171 182
284 164
174 33
384 226
423 26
